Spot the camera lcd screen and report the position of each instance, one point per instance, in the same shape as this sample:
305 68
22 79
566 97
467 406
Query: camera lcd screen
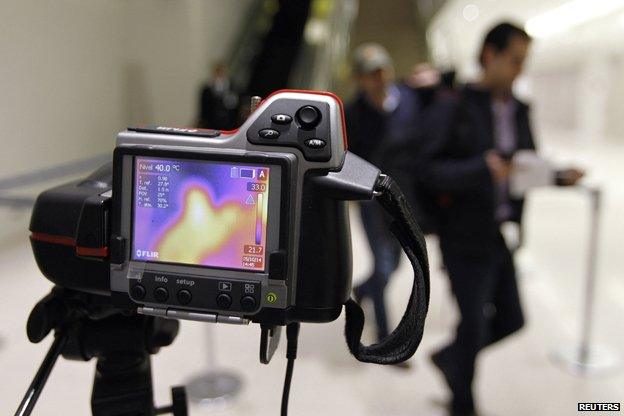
211 214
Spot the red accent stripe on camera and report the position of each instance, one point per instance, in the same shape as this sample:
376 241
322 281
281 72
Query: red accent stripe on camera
228 132
69 241
54 239
92 251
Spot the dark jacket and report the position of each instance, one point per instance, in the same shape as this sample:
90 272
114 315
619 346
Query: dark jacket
374 134
391 141
218 110
458 130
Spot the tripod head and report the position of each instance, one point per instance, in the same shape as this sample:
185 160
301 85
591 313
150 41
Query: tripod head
87 326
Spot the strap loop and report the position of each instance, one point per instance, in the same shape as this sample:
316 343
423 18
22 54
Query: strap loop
403 342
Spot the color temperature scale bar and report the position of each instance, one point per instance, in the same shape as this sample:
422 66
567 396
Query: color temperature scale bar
259 216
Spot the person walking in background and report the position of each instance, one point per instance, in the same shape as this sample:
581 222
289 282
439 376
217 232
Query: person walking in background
383 117
471 137
218 103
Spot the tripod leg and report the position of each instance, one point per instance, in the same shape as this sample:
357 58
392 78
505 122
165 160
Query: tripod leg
35 388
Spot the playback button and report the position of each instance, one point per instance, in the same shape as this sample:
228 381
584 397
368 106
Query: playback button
224 301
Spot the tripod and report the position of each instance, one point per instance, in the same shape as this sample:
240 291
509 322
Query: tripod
87 326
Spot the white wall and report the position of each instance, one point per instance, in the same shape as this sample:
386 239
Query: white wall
75 72
59 83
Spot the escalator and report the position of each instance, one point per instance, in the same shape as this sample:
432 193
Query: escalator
297 45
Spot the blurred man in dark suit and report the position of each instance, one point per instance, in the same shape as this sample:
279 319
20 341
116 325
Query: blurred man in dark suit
471 137
383 118
218 102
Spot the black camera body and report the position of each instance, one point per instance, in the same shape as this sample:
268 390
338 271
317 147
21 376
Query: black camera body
240 226
212 226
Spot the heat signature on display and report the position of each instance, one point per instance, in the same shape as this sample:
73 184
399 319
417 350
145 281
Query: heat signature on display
201 213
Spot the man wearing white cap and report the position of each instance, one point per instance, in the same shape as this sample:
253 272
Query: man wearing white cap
383 118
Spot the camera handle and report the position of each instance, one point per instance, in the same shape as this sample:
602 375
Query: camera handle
87 326
360 180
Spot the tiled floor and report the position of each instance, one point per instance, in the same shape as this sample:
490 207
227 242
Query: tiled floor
516 378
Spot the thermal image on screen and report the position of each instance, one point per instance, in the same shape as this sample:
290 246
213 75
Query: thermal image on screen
200 213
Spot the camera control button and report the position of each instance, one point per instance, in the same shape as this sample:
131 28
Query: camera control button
315 143
281 119
269 134
248 303
184 297
308 117
224 300
137 292
161 294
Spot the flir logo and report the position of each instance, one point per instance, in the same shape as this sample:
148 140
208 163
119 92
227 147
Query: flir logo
599 407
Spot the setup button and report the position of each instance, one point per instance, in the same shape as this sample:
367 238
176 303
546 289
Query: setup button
184 297
224 301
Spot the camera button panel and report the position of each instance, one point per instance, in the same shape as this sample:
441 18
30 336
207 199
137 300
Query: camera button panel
176 290
310 133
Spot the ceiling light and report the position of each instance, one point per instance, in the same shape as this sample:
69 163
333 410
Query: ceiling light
570 14
470 12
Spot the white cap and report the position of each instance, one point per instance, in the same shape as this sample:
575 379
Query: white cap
370 57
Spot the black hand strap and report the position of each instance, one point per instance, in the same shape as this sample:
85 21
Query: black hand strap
402 343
